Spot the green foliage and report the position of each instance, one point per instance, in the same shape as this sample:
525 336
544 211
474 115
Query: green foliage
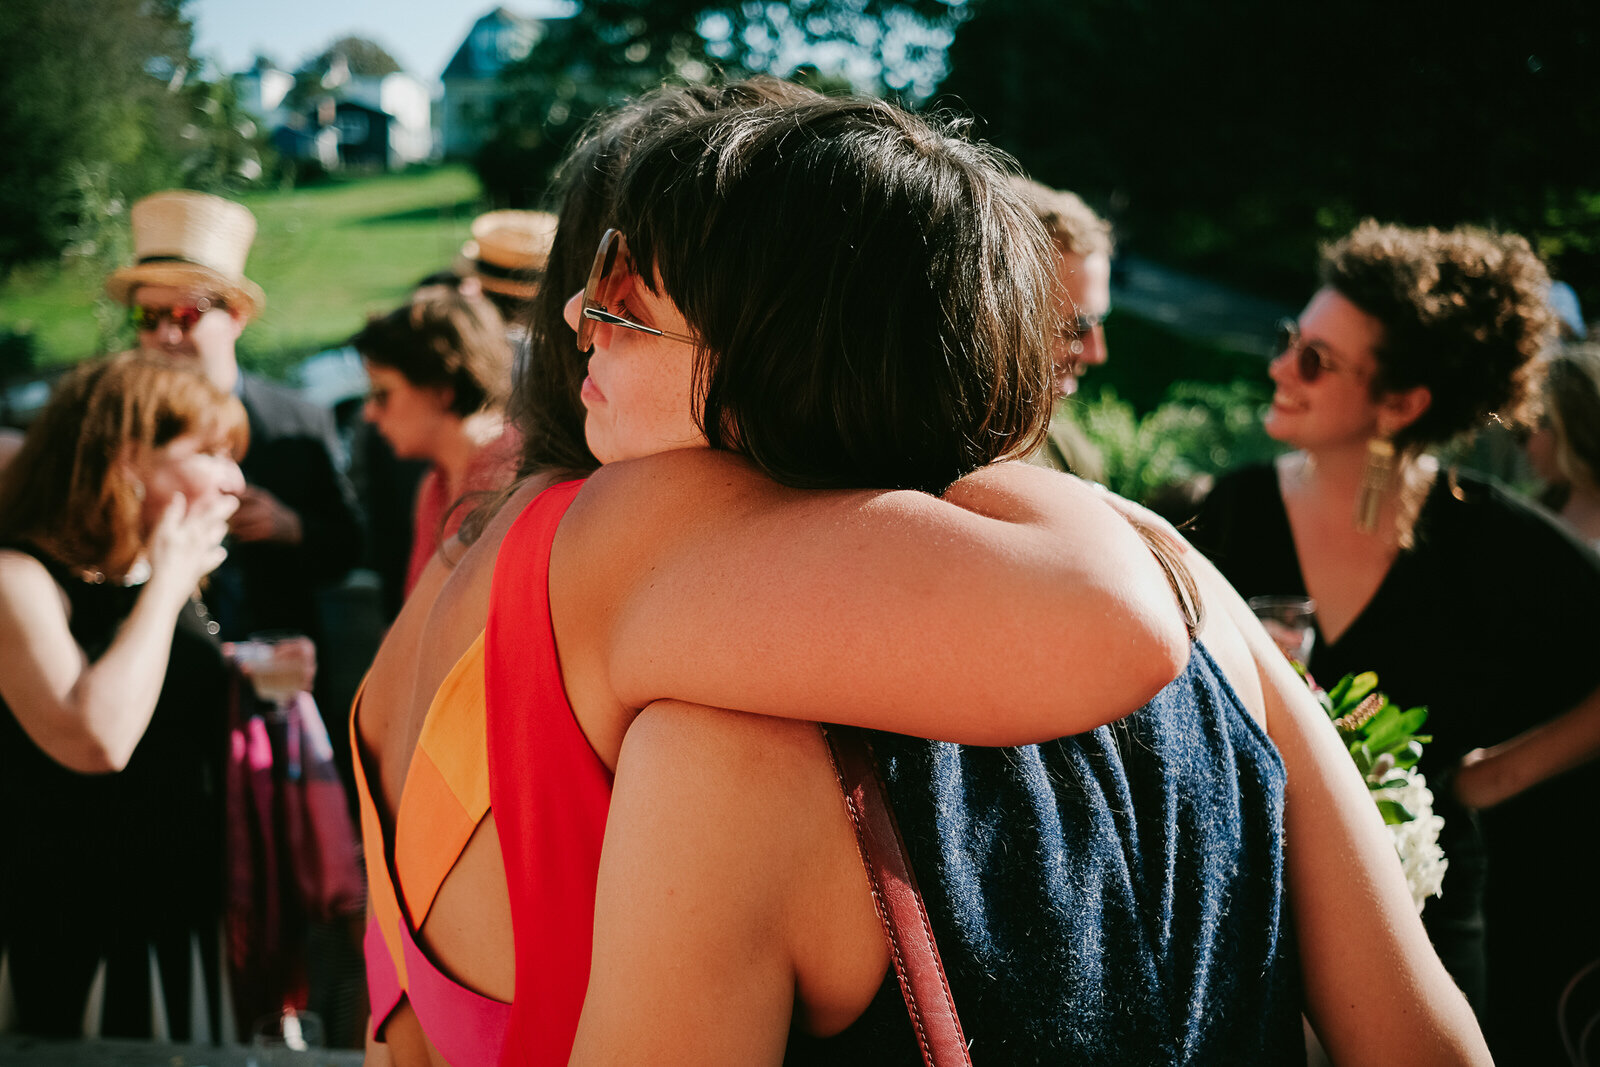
612 50
1232 137
364 57
1200 429
103 104
1380 737
607 52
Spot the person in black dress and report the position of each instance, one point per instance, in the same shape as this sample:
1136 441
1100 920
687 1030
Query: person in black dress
1462 597
113 691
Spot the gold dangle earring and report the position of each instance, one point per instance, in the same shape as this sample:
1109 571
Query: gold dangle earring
1376 478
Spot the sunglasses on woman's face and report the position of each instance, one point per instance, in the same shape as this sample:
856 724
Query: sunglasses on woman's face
1310 361
598 295
183 316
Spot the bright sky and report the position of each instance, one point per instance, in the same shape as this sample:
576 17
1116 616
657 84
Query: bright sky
422 35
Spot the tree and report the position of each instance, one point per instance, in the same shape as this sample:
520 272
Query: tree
103 104
611 50
87 86
365 58
1234 136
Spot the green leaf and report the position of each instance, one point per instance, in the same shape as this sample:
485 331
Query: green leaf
1394 813
1363 758
1361 685
1407 758
1340 688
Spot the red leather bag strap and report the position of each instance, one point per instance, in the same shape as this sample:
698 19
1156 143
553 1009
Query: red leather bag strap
899 902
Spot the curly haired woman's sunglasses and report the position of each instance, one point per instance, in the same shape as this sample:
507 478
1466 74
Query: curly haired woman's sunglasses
598 296
1310 361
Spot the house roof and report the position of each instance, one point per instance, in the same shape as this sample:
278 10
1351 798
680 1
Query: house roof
496 39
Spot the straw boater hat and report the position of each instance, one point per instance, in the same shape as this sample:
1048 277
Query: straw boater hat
508 251
191 241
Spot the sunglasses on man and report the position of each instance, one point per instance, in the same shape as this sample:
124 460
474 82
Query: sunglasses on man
1079 327
599 293
183 316
1310 361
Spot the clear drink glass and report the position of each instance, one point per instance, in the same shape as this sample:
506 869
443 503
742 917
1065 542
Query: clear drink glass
1290 622
279 663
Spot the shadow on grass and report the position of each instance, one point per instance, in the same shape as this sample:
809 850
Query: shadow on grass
464 208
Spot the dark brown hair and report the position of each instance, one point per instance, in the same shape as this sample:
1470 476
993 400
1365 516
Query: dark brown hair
68 491
1463 312
545 403
444 339
872 297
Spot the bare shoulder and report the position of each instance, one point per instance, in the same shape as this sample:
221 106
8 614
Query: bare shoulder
462 602
26 588
725 785
741 819
720 752
662 488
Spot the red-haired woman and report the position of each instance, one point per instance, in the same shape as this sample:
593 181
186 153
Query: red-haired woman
113 685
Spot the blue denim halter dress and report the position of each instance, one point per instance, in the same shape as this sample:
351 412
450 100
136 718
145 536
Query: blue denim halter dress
1116 897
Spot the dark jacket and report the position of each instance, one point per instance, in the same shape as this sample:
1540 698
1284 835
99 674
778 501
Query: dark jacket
271 586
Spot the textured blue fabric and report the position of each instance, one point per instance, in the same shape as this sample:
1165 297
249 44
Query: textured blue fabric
1111 898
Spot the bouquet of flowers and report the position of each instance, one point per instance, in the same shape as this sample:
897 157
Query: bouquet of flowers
1384 743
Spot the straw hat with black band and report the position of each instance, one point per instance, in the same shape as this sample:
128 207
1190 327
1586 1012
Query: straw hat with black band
191 240
508 252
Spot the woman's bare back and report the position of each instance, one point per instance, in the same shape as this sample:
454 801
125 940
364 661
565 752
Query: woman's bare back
467 932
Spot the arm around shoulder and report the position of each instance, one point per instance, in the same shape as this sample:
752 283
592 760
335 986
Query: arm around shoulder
1018 609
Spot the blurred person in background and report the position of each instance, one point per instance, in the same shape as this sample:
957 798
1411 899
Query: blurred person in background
505 260
440 367
114 690
1082 243
298 525
1460 596
1564 448
10 442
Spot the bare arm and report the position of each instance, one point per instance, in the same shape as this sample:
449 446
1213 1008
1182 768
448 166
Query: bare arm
90 717
1489 776
726 847
1375 989
1017 609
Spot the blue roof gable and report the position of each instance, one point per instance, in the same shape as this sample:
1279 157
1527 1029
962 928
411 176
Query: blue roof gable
496 39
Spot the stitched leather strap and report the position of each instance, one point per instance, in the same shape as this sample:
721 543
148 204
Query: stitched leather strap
898 900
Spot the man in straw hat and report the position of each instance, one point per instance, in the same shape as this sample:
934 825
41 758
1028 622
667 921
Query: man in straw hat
297 523
506 258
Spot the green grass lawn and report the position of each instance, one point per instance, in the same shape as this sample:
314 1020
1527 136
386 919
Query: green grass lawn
327 255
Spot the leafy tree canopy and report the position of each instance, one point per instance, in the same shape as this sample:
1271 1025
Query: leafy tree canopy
365 58
104 103
614 49
1233 136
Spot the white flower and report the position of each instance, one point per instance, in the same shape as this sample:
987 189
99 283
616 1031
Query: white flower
1417 841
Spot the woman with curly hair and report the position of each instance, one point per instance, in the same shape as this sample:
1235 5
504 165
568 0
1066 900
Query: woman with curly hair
1444 584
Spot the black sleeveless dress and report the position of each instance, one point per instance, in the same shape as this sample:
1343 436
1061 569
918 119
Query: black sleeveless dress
125 867
1116 897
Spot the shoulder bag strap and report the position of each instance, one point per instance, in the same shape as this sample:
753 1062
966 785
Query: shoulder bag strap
898 900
